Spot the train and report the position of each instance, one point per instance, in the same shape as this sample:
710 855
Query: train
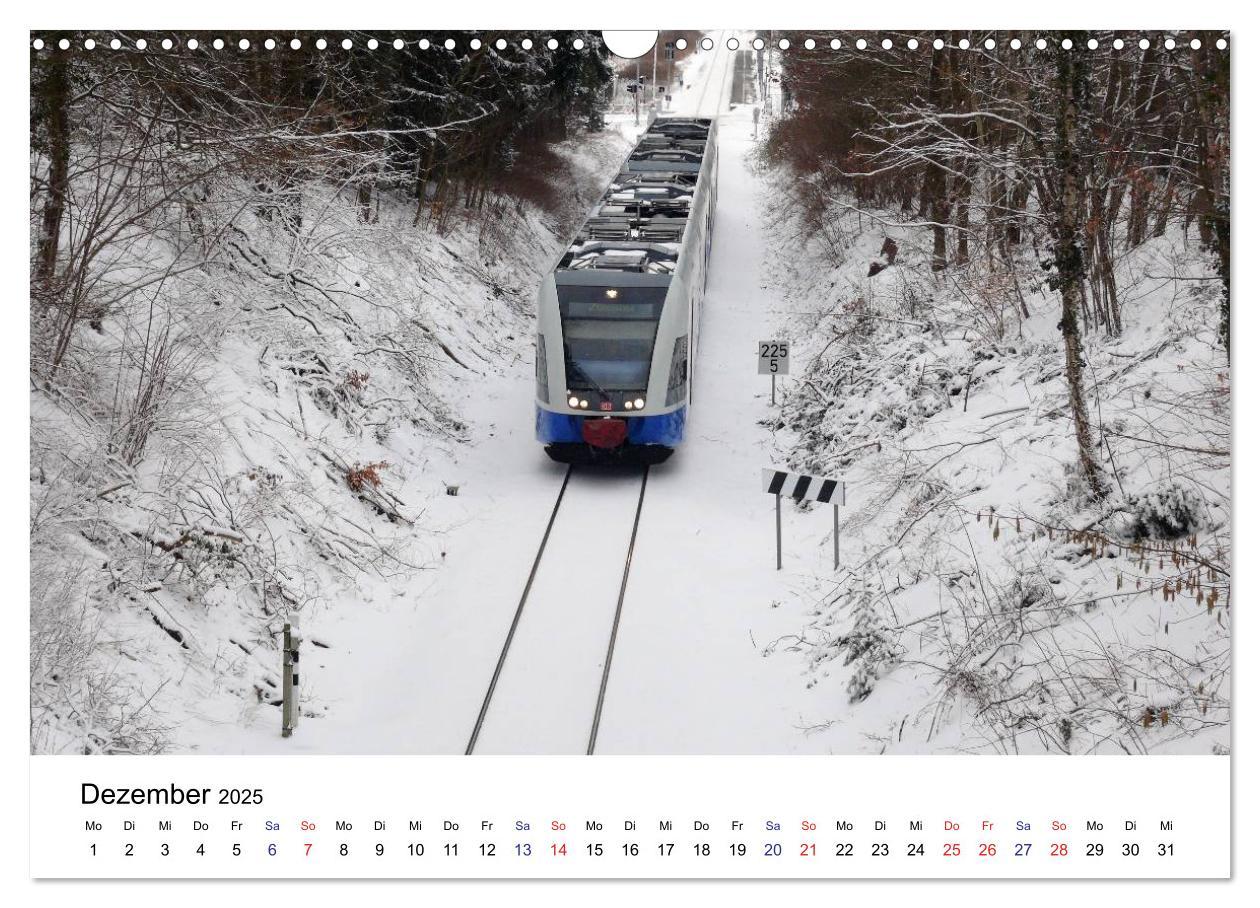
619 313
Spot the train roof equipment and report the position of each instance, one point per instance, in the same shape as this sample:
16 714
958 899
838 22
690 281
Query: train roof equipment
634 233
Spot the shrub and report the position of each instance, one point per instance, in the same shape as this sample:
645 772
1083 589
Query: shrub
1168 513
360 476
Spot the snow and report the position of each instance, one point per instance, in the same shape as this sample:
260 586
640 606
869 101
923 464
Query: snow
716 651
407 674
957 623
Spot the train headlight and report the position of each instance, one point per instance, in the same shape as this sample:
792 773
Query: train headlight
638 403
573 402
629 405
611 293
583 404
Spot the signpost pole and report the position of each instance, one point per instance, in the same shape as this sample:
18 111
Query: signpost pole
294 656
638 82
772 386
286 718
835 536
778 533
655 101
803 487
669 53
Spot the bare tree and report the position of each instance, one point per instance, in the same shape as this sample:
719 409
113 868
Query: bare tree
1072 89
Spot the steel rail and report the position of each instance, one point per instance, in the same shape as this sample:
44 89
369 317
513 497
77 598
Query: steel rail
621 598
516 618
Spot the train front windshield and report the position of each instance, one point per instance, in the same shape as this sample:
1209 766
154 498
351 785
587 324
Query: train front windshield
609 334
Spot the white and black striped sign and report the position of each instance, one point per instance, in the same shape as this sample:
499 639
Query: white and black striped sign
802 487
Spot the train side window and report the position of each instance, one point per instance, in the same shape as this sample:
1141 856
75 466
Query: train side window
677 389
540 366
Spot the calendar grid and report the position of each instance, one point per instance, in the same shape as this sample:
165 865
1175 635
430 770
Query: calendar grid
628 817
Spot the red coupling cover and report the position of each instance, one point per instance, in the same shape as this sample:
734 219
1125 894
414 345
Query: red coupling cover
604 433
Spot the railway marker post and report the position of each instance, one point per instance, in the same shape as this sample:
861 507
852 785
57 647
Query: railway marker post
803 487
669 55
290 683
773 359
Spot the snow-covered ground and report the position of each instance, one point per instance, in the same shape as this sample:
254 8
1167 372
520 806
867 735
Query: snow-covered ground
405 672
984 603
332 388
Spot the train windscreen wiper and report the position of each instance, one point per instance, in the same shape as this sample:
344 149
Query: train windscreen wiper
586 376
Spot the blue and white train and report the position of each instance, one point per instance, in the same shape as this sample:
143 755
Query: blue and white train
619 315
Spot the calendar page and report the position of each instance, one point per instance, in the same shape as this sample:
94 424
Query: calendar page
407 500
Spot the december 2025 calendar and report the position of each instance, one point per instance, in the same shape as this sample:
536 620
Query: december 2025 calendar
580 454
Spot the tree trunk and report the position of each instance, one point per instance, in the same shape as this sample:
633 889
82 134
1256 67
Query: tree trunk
934 180
56 97
963 208
1213 162
1138 194
1017 206
1069 259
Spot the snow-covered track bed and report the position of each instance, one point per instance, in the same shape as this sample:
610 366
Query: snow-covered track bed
708 101
546 694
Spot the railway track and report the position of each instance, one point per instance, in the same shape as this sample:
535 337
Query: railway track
545 548
703 102
592 532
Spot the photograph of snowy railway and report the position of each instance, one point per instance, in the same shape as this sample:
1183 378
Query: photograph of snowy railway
440 350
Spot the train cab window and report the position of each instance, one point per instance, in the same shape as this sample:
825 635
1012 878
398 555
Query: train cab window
609 334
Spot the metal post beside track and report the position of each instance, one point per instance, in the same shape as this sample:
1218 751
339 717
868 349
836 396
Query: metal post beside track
778 532
835 536
638 90
289 684
844 500
803 487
